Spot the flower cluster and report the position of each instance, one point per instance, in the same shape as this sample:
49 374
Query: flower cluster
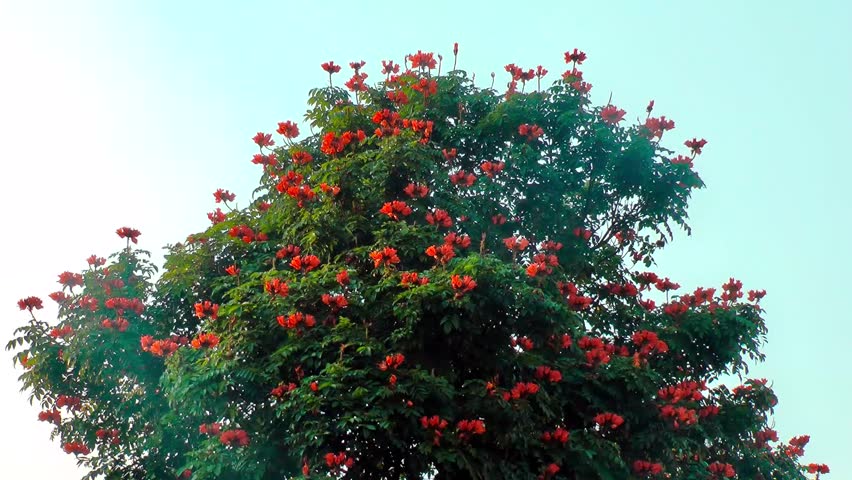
207 309
30 303
721 470
392 362
234 438
129 233
462 284
338 461
297 319
111 435
436 425
205 340
550 374
53 416
646 468
386 256
468 428
559 435
609 420
304 263
77 448
412 279
521 390
119 324
276 287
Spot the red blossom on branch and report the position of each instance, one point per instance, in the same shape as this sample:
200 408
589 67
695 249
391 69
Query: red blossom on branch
130 233
30 303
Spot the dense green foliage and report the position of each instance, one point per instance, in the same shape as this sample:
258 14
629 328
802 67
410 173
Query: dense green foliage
529 329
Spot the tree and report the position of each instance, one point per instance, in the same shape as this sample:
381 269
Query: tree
443 281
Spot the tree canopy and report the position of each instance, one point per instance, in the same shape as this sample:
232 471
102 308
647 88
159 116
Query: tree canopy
440 281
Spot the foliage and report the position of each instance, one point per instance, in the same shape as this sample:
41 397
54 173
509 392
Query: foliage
444 281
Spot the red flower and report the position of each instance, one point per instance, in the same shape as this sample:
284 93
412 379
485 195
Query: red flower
337 462
163 348
330 67
679 415
412 279
53 416
422 60
332 144
492 168
263 139
462 285
612 114
389 67
30 303
468 428
708 411
426 86
301 157
695 145
288 129
719 470
549 374
296 319
77 448
356 83
559 435
314 386
644 467
70 280
439 217
655 127
217 216
436 424
210 428
665 285
449 155
756 295
531 132
130 233
413 190
357 65
582 87
62 332
463 178
521 390
282 389
223 195
818 468
277 287
649 343
234 438
335 302
452 238
583 233
576 57
609 420
232 270
96 261
392 362
395 209
305 263
386 256
207 309
398 97
205 340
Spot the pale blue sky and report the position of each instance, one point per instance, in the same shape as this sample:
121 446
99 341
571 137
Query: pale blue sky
132 113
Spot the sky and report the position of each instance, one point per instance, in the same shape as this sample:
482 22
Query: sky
133 113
